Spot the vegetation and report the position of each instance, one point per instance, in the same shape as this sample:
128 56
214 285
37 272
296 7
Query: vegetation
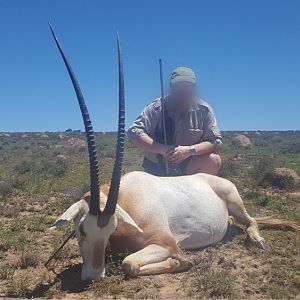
40 176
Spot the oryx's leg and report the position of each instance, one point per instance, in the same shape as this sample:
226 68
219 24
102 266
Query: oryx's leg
237 209
154 259
227 191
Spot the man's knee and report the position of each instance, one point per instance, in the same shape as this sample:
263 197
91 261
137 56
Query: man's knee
209 163
215 160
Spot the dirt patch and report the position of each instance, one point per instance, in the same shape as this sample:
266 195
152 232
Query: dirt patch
241 140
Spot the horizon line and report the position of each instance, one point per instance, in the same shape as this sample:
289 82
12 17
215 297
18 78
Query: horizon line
115 131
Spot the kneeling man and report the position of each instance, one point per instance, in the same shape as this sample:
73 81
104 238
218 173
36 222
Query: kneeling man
191 129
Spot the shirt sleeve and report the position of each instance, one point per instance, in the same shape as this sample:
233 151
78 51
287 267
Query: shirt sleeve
145 123
211 131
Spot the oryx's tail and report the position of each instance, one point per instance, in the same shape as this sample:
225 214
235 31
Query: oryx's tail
270 222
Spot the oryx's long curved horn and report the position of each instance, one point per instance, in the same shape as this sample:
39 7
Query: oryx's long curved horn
116 175
94 168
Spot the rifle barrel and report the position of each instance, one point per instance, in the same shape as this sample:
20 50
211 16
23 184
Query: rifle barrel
162 99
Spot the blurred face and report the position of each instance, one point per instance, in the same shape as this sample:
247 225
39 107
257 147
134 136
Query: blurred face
183 94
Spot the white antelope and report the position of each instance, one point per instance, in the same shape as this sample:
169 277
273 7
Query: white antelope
151 217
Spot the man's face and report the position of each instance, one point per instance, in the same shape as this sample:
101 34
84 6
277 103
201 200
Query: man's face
183 94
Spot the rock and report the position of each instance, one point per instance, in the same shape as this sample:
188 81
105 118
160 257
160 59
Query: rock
62 136
241 140
44 136
247 190
24 136
75 142
3 134
61 157
238 157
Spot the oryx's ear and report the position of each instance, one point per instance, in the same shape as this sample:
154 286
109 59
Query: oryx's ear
78 209
124 216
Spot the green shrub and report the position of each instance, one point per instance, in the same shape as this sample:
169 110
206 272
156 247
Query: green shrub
28 258
293 147
228 169
57 168
261 167
17 288
78 192
24 167
6 273
282 182
262 200
6 186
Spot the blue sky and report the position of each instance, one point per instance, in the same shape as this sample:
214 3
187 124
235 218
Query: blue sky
246 55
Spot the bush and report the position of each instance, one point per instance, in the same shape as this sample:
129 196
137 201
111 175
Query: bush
229 169
23 168
17 288
78 192
6 273
282 182
293 148
261 167
56 168
262 200
28 259
6 186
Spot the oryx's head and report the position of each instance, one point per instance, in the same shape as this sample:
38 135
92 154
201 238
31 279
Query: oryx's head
94 226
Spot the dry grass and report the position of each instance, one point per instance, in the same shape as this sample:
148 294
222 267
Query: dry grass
34 198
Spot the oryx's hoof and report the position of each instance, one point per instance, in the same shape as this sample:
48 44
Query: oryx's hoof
129 269
180 264
261 243
231 220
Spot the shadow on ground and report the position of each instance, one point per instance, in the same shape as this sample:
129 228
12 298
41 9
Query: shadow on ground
232 232
68 280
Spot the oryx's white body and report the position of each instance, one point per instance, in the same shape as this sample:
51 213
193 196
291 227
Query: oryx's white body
186 207
158 216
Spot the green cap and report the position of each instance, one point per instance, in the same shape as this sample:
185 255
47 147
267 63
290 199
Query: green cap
183 74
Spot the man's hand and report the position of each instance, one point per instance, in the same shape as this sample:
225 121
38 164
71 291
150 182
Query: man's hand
165 149
178 154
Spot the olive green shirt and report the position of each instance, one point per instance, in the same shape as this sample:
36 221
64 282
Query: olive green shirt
195 126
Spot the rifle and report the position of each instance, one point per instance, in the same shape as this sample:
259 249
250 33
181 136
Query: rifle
162 99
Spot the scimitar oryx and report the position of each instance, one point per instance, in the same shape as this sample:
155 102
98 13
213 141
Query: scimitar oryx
151 217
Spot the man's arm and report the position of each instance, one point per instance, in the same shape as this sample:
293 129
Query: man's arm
211 132
146 143
204 148
143 128
180 153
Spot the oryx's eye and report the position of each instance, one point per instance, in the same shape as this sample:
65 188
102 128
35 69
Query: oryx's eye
81 230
